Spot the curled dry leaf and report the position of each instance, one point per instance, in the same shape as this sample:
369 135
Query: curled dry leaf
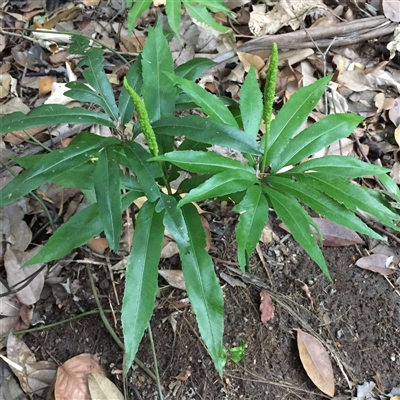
101 388
315 360
72 378
266 307
377 263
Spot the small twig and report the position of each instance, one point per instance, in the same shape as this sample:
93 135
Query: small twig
153 349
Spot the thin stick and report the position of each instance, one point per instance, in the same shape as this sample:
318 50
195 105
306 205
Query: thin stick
153 349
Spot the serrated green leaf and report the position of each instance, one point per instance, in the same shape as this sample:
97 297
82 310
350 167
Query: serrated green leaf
346 167
50 165
141 278
251 222
316 137
298 222
194 68
251 104
76 232
202 286
173 10
202 162
146 173
221 184
201 14
157 90
97 79
125 103
136 11
108 194
322 204
350 195
292 115
205 130
209 103
51 114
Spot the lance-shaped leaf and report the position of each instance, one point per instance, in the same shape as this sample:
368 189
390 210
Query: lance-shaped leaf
77 231
296 219
50 165
254 208
211 105
202 286
322 204
141 278
201 14
157 90
173 10
51 114
316 137
146 173
292 115
194 68
205 130
350 195
136 11
346 167
108 194
202 162
221 184
251 104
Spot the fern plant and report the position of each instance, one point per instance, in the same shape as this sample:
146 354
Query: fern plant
155 90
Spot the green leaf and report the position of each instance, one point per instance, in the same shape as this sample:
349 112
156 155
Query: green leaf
194 68
316 137
205 130
146 173
214 5
50 165
202 162
221 184
141 278
80 177
51 114
76 232
125 103
345 167
292 115
389 184
173 10
350 195
108 193
136 11
158 91
251 223
322 204
202 286
251 104
97 79
298 222
209 103
201 14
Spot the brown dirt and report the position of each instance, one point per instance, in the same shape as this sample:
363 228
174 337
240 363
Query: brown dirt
358 316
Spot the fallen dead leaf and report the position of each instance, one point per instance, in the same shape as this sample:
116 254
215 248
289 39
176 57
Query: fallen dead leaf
98 245
45 85
174 277
315 360
377 263
266 307
101 388
394 112
391 9
397 135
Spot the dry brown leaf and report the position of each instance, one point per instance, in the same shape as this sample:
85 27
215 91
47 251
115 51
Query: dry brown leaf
64 15
315 360
377 263
231 280
354 80
266 307
174 277
207 231
72 378
394 112
251 59
9 311
391 9
395 172
45 85
101 388
98 245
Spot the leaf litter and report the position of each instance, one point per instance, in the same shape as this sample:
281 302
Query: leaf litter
361 86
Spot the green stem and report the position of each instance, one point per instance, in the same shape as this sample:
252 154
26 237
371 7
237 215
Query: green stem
153 349
269 95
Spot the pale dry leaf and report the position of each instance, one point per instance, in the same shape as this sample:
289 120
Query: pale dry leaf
267 234
174 277
316 362
57 94
9 311
40 375
397 135
91 3
169 248
394 112
45 85
15 104
72 378
377 263
295 56
354 80
231 280
395 172
391 9
394 45
207 231
251 59
98 245
266 307
342 147
101 388
13 260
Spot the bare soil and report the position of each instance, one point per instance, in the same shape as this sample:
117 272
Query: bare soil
357 317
